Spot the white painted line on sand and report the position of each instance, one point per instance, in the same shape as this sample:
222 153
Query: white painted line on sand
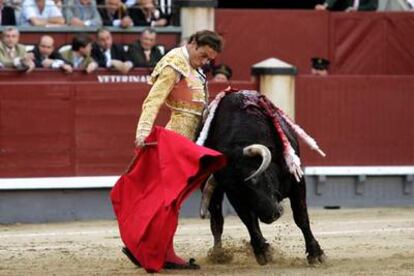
57 234
112 232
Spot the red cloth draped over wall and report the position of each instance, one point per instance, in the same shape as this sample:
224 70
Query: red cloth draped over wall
355 43
372 43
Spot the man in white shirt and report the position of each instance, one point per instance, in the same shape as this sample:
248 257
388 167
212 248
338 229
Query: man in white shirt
82 13
41 13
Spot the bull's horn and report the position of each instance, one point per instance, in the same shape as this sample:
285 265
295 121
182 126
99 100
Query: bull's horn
206 197
261 150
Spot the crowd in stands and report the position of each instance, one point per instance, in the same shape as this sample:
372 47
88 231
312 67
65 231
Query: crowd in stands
83 53
88 55
83 13
354 5
124 13
348 5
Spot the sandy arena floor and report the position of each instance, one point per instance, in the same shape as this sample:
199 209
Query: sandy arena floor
356 242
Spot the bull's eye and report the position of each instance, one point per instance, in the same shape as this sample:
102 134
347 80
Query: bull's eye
254 180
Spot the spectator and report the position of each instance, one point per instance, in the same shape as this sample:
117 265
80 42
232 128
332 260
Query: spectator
13 54
166 7
80 54
144 53
45 55
222 73
144 13
348 5
15 4
115 13
82 13
320 66
7 16
59 4
110 55
129 3
41 13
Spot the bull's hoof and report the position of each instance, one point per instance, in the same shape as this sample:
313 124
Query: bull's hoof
261 259
320 259
219 255
264 256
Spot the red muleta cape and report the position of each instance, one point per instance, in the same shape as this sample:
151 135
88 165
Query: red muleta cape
147 198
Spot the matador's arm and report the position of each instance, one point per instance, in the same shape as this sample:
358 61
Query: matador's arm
152 104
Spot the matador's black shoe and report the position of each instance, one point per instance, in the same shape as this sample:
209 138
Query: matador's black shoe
191 264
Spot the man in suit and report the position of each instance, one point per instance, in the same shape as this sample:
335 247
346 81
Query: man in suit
348 5
110 55
144 53
115 14
13 54
7 16
145 13
45 55
80 54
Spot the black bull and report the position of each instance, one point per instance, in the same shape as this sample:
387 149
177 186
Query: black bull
235 127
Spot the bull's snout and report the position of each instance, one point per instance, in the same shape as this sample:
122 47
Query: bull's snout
275 214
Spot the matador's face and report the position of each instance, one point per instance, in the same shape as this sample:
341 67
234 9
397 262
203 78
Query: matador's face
200 55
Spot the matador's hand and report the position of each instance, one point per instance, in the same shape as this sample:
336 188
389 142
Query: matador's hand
140 141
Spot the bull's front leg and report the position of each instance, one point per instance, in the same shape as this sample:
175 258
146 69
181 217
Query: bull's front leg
216 216
261 248
301 217
218 254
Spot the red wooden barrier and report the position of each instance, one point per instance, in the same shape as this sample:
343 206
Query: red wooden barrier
52 124
364 120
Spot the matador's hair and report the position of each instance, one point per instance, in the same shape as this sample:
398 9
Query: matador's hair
208 38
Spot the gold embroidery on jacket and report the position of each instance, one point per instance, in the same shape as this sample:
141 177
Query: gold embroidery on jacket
185 116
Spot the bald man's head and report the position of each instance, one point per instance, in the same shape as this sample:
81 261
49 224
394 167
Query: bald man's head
46 45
